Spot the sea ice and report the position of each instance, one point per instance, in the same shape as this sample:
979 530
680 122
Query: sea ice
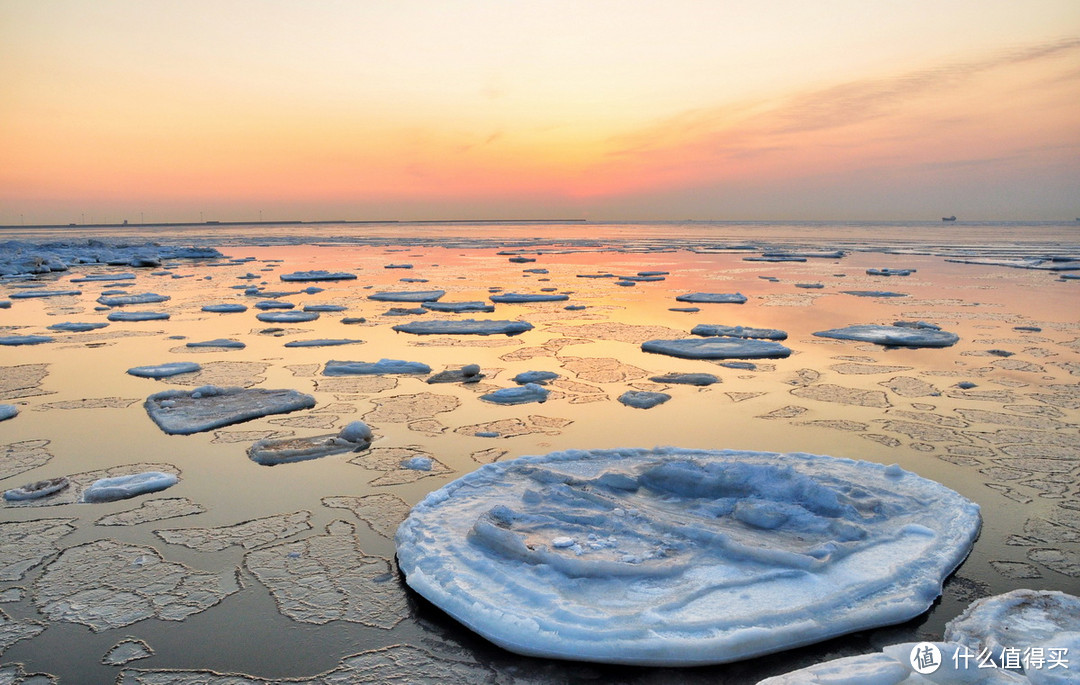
679 555
225 308
528 297
538 377
247 534
342 368
139 298
472 306
318 275
219 343
470 373
26 294
126 651
138 316
37 489
13 340
25 544
77 327
274 304
8 411
128 486
889 272
464 327
717 348
713 298
893 336
96 278
643 399
182 412
686 378
323 342
407 296
530 392
355 437
286 316
873 293
324 307
1020 619
164 370
705 329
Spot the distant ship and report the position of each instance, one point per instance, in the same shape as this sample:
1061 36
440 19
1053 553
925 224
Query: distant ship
948 218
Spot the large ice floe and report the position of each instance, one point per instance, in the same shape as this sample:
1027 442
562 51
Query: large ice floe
678 557
318 275
383 366
718 348
706 330
182 412
713 298
464 327
521 298
164 370
893 336
354 437
407 296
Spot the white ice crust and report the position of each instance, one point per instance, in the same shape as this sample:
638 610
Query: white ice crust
124 487
713 298
464 327
718 348
407 296
706 329
8 411
183 412
346 368
518 298
524 394
895 336
318 275
164 370
677 557
1020 619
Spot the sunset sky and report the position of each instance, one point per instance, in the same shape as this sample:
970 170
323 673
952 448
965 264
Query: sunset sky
601 109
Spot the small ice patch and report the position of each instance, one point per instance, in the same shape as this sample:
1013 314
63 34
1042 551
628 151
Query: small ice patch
417 463
8 411
295 316
219 343
164 370
472 306
706 330
700 379
182 412
641 399
892 336
407 296
139 298
713 298
318 275
26 294
13 340
528 297
346 368
225 308
138 316
538 377
323 342
530 392
464 327
77 327
125 487
717 348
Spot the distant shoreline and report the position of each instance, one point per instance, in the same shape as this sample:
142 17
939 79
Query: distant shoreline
296 222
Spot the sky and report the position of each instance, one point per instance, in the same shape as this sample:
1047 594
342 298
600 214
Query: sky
608 110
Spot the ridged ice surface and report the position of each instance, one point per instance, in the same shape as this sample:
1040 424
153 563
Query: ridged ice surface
673 556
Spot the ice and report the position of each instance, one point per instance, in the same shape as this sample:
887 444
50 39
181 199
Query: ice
354 437
139 298
642 399
219 343
248 534
26 294
182 412
99 278
873 293
109 584
1019 619
17 457
318 275
686 378
343 368
126 651
419 463
324 307
11 631
128 486
152 510
472 306
470 373
892 336
225 308
286 316
25 544
538 377
717 348
274 304
407 296
71 327
164 370
8 411
323 342
712 298
705 329
24 339
889 272
464 327
681 554
138 316
530 392
527 297
37 489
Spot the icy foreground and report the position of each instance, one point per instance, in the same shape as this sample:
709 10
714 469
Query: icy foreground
677 557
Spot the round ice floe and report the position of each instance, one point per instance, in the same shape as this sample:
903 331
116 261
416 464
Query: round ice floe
680 555
77 327
287 316
518 298
37 490
356 431
717 348
138 316
124 487
893 336
164 370
713 298
318 275
1019 619
24 339
530 392
8 411
225 308
643 399
407 296
464 327
706 330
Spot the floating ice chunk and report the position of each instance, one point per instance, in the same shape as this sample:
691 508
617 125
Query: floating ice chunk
682 552
24 339
529 297
690 310
5 304
164 370
354 437
286 317
522 260
470 373
530 392
323 342
318 275
538 377
398 266
774 258
138 298
225 308
342 368
407 296
96 278
125 487
274 304
713 298
810 286
8 411
182 412
475 306
77 327
642 399
126 651
717 348
26 294
892 336
464 327
357 432
889 272
324 307
219 342
574 307
686 378
705 329
138 316
418 463
37 490
1020 619
873 293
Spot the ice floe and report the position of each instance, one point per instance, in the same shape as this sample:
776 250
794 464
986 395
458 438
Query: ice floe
705 329
287 316
27 294
889 272
77 327
219 343
267 305
892 336
1020 620
37 489
323 342
686 378
712 298
873 293
471 306
538 377
347 368
355 437
324 307
464 327
530 392
517 298
676 557
182 412
138 298
126 651
14 340
164 370
470 373
643 399
318 275
8 411
407 296
138 316
225 308
718 348
247 534
128 486
25 544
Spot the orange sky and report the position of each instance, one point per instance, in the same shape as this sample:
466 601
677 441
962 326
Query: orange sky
615 110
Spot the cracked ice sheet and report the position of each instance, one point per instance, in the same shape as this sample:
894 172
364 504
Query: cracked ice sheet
248 534
597 555
108 584
25 544
80 481
328 577
17 457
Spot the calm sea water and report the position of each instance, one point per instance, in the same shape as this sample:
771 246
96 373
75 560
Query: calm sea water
1009 443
